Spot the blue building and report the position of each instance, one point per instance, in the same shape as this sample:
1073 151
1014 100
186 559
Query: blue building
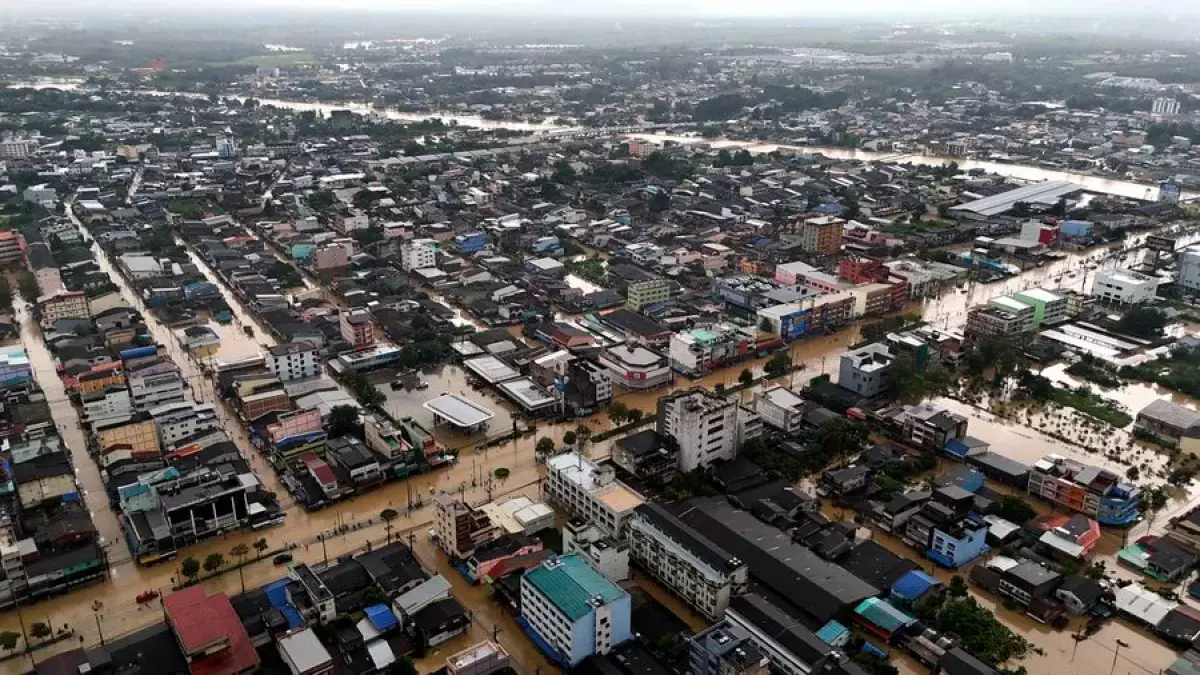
1075 229
548 246
471 242
573 610
959 542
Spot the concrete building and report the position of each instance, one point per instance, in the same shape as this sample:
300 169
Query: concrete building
634 367
1048 308
1096 493
574 609
986 320
779 408
703 574
1025 312
605 553
642 293
1124 287
294 360
485 658
822 234
590 491
154 383
62 305
418 254
18 148
1164 107
460 527
12 247
357 328
182 419
725 649
1188 276
864 370
704 426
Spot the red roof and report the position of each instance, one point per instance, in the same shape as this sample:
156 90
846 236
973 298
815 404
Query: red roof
207 622
318 468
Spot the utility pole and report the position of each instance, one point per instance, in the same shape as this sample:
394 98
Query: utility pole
1117 653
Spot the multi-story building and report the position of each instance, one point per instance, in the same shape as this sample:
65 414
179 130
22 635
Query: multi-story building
822 234
779 408
574 609
417 254
874 299
182 419
606 554
1025 312
14 366
1189 268
154 383
1096 493
62 305
460 527
357 328
106 406
294 360
704 426
485 658
590 491
959 541
17 148
634 367
1048 308
986 320
12 248
700 350
864 371
725 649
1164 107
642 293
703 574
1124 287
791 648
927 425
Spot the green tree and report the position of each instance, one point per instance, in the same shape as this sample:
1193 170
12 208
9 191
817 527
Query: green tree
27 286
570 438
958 586
841 436
190 568
618 412
1152 500
8 640
240 552
545 446
745 377
40 630
636 414
584 434
387 516
214 562
343 420
1013 509
501 474
906 382
778 365
1143 322
261 546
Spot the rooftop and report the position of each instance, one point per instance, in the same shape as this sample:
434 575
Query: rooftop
459 410
572 585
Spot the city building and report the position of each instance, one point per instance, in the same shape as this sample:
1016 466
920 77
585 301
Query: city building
573 609
791 646
590 491
1124 287
61 305
987 320
485 658
725 649
925 425
294 360
1164 107
699 350
642 293
704 426
606 554
645 455
18 148
1048 308
698 571
1025 312
1167 421
822 234
864 371
155 382
1097 493
417 254
634 367
461 528
181 419
959 542
12 247
1188 276
209 633
357 328
779 408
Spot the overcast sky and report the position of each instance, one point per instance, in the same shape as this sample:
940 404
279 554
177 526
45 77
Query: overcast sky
797 8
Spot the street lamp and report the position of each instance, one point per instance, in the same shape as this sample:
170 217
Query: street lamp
1116 653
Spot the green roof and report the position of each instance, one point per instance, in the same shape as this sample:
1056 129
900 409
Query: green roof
570 583
881 613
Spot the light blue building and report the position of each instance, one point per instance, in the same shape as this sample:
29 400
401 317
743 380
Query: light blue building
470 242
959 542
572 610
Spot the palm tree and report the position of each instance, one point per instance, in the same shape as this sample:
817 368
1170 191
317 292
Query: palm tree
388 515
261 546
240 552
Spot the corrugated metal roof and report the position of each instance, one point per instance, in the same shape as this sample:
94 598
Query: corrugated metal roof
570 583
881 613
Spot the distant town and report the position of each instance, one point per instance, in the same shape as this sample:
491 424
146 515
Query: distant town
473 354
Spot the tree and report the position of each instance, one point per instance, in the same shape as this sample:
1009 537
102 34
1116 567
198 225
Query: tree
584 434
261 546
958 586
841 436
778 365
343 420
402 666
27 286
745 377
214 562
40 630
906 382
190 568
1143 322
1152 500
387 516
618 412
1013 509
8 640
240 552
570 438
501 474
636 414
545 446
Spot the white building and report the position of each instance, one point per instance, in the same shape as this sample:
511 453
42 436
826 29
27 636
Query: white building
106 405
1164 107
1125 286
606 554
779 408
574 608
703 424
418 254
182 419
155 385
43 195
17 148
294 360
1189 268
62 305
590 491
864 370
703 574
635 367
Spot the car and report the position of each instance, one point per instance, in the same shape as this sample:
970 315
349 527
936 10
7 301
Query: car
282 559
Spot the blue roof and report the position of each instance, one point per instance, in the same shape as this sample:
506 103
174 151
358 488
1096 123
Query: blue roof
831 632
883 614
913 585
570 583
828 208
381 617
277 595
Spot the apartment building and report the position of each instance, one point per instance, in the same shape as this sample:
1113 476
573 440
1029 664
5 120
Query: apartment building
1048 308
703 574
642 293
357 328
779 408
417 254
822 234
460 527
294 360
574 609
61 305
864 371
154 383
590 491
181 419
987 320
1097 493
703 424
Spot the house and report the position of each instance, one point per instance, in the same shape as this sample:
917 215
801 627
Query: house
1024 582
960 542
1166 420
864 370
840 482
209 632
1079 594
303 653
